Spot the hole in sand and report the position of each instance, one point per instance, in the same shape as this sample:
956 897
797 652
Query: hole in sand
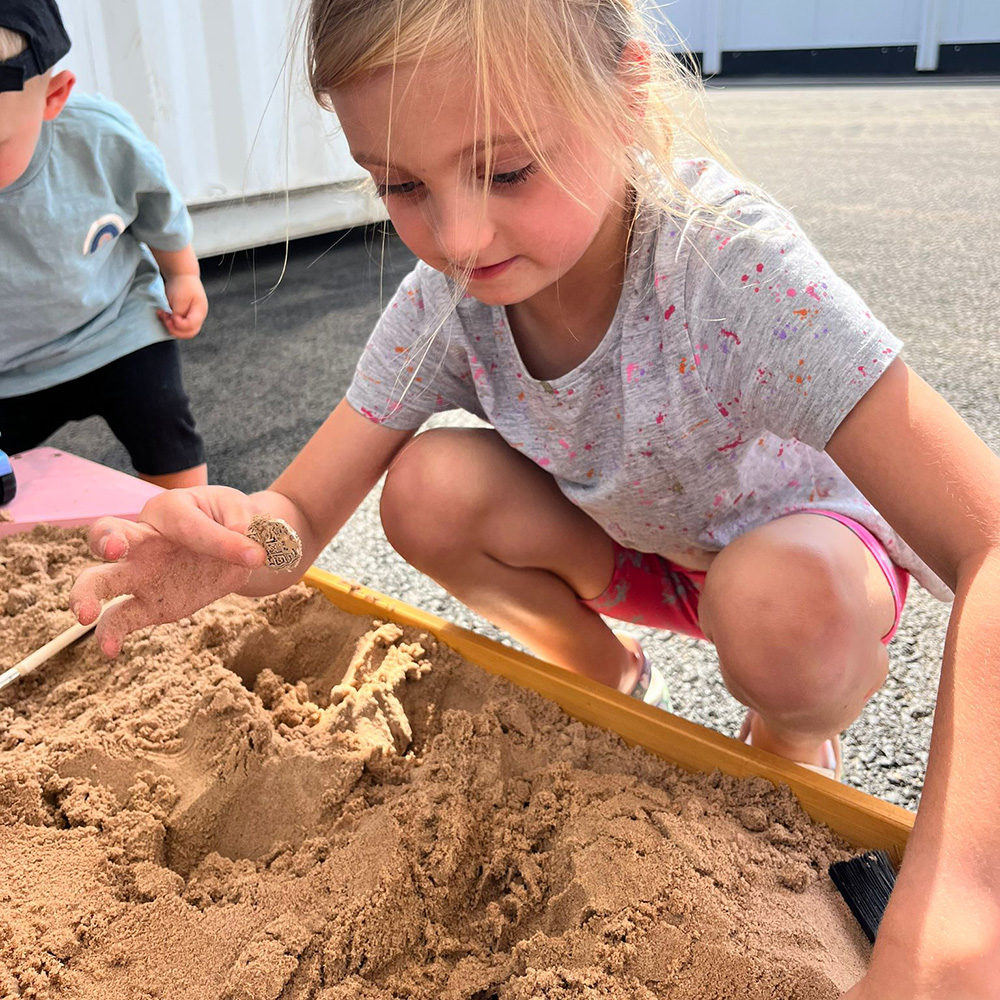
280 804
309 643
259 777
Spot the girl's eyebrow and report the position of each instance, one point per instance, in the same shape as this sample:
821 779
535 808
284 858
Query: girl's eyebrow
478 146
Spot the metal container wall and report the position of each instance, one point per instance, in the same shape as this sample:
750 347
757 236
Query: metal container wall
220 88
716 26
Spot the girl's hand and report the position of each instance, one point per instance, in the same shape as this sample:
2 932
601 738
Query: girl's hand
187 549
188 306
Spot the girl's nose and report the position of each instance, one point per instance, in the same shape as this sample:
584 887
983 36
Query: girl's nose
463 228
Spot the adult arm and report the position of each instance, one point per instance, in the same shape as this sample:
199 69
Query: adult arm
937 483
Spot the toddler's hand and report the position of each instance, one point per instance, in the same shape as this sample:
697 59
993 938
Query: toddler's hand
188 304
187 549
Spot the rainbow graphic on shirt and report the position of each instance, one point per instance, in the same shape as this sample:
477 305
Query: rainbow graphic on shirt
104 230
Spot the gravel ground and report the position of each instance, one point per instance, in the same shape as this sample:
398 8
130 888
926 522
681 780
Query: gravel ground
896 183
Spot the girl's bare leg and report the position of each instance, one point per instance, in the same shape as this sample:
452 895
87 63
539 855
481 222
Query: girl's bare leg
797 609
493 529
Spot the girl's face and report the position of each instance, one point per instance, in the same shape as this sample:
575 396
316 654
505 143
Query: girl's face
418 137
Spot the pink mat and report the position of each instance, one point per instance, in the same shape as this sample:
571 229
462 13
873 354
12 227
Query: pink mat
54 487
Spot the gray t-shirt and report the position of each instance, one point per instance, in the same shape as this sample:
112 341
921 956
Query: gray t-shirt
734 354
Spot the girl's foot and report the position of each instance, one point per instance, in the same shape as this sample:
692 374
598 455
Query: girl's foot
651 685
831 766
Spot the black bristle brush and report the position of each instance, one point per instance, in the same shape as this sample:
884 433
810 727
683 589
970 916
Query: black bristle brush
866 883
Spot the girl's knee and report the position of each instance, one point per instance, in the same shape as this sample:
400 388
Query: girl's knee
787 628
429 497
793 595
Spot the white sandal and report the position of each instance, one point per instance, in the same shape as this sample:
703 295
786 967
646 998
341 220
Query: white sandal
651 687
835 767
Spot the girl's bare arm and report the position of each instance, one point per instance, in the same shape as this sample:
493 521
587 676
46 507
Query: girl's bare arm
189 547
324 484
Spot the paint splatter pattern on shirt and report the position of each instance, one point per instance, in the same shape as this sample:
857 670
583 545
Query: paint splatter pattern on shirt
734 354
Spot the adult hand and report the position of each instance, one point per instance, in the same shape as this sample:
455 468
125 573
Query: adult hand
951 966
949 987
188 304
187 549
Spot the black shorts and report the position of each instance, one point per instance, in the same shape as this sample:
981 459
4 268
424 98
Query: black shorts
141 397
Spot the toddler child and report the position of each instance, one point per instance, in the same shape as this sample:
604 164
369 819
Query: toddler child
97 274
695 424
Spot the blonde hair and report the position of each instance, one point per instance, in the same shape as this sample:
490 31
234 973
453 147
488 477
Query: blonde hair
12 43
606 66
604 62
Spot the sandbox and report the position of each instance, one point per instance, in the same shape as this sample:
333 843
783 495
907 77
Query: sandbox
276 799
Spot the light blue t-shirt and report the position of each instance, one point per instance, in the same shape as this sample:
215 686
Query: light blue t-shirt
78 287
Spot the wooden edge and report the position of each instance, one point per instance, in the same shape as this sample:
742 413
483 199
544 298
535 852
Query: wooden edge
862 820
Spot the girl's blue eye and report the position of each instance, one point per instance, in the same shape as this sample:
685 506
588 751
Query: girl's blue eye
513 177
509 178
408 187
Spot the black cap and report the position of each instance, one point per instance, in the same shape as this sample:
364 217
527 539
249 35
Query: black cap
40 23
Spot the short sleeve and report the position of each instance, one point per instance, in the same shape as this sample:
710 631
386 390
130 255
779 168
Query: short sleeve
782 343
415 363
139 178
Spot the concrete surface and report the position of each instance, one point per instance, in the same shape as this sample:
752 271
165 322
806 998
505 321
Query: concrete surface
898 185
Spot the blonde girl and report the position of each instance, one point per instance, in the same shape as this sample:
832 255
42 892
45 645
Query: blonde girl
695 424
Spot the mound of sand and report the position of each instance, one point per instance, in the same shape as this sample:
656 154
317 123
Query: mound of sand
273 800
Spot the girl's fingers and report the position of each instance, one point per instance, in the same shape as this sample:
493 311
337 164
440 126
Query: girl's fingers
231 508
194 529
92 587
214 527
118 622
188 548
85 607
109 537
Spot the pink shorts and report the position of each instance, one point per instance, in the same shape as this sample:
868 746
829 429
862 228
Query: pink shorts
646 589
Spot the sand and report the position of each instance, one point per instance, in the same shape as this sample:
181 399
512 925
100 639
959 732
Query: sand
273 800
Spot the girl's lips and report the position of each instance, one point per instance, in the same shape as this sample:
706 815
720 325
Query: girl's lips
491 270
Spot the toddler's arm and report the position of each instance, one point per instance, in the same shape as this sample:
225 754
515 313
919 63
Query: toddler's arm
185 292
189 547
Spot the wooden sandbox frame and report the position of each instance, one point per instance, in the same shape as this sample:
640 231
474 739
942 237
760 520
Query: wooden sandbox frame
862 820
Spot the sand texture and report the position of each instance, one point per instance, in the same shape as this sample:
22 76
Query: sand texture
273 800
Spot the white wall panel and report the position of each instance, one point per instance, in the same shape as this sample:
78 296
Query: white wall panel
220 89
692 22
761 25
966 21
791 24
217 85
